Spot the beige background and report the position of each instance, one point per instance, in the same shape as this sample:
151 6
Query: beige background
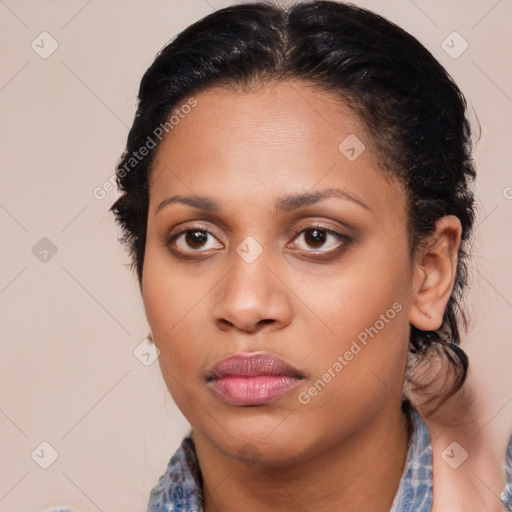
70 324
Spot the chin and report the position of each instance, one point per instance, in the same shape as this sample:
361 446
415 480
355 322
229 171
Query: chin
272 441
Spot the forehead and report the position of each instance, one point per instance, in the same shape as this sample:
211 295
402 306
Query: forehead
285 137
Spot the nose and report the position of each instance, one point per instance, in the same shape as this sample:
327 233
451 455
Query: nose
252 298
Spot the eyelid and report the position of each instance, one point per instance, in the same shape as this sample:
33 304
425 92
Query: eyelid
312 225
318 225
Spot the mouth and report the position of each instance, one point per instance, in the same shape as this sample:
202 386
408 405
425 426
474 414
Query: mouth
250 379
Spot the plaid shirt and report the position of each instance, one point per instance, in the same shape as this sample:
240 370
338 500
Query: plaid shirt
179 489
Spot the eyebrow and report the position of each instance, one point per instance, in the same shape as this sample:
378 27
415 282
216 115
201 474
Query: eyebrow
283 204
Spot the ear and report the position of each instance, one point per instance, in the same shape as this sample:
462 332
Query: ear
435 267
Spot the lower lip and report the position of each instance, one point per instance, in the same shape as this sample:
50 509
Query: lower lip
257 390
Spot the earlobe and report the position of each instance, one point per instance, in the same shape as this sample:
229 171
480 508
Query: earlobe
435 269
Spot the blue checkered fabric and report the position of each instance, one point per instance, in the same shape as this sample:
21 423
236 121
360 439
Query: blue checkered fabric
415 488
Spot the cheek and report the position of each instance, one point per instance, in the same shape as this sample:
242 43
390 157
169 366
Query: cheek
364 320
170 307
174 329
167 294
365 292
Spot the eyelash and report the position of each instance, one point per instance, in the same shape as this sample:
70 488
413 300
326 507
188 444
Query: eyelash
312 227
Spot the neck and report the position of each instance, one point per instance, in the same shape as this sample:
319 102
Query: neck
360 473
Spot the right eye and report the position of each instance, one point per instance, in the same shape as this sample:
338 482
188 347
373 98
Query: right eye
194 240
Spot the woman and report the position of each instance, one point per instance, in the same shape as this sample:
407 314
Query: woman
296 199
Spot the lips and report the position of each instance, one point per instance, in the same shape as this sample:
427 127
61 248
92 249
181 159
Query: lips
252 378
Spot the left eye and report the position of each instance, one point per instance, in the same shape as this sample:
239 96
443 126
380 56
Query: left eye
321 238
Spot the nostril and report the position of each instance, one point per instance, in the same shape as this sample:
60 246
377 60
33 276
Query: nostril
223 321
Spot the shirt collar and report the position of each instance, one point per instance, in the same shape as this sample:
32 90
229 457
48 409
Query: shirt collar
415 488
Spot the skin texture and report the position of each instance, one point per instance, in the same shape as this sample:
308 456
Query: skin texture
295 301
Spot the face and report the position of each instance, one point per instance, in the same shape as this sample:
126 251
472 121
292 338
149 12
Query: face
277 276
